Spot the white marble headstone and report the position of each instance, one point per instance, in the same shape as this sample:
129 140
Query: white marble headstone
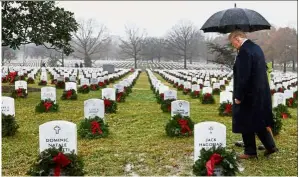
226 96
94 81
288 94
21 84
48 93
170 94
8 106
108 93
278 98
70 85
180 107
195 87
84 81
119 87
207 90
93 108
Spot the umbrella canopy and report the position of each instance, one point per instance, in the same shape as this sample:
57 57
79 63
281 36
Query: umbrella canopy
229 20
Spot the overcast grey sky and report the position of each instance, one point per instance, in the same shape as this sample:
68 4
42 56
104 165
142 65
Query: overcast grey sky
156 17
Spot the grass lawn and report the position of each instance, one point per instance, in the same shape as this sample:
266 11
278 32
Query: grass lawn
137 143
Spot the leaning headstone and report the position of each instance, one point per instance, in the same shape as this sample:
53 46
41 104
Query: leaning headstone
48 93
108 93
93 108
8 106
180 107
58 133
208 134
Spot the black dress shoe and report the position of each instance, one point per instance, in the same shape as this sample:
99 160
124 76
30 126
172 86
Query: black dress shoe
239 144
267 153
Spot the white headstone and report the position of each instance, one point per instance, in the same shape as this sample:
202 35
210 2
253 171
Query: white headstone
8 106
278 98
48 93
226 96
170 94
180 107
93 108
73 79
195 87
21 84
208 134
44 77
70 85
207 90
216 85
84 82
288 94
55 133
108 93
94 81
119 87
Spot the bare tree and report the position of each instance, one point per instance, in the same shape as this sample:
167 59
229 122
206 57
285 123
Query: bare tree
132 45
89 44
181 39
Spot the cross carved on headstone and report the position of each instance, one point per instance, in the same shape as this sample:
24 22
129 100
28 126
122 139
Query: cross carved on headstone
57 128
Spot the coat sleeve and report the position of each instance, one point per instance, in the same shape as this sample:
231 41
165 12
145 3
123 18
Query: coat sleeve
243 68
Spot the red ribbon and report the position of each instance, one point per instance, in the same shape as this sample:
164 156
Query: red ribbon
207 95
214 160
284 115
69 94
181 86
95 127
184 126
85 86
93 87
162 96
61 161
101 84
295 95
11 76
106 81
118 96
169 107
290 102
47 105
196 93
280 90
107 103
228 108
19 92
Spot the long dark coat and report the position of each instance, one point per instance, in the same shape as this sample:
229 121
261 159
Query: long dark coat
251 87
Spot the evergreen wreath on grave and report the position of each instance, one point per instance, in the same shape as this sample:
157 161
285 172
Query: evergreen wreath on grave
102 85
216 156
292 103
194 82
54 81
277 123
69 95
47 106
4 80
175 85
272 91
225 109
295 95
12 77
120 96
160 97
195 94
66 79
281 89
222 87
180 87
19 93
84 89
166 105
128 90
112 80
179 126
186 91
207 98
282 111
201 86
54 162
9 125
93 128
216 91
94 87
30 80
106 81
110 106
22 77
226 82
60 85
229 78
42 83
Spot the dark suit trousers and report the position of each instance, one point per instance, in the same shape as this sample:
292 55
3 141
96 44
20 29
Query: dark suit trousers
250 145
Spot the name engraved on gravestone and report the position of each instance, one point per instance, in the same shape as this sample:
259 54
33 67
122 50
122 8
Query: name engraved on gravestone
93 108
170 94
94 81
108 93
180 107
48 93
56 134
8 106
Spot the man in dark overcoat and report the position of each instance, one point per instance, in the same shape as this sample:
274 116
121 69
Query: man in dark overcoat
252 107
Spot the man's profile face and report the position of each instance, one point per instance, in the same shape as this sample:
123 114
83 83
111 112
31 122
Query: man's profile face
235 42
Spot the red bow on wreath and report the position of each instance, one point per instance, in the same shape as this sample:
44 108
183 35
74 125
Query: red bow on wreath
284 115
228 108
196 93
162 96
96 127
47 105
207 95
69 94
12 76
210 165
184 126
290 102
19 92
84 86
107 103
93 87
61 161
101 84
119 95
169 107
295 95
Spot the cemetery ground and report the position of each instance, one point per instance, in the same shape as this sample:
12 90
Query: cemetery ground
137 143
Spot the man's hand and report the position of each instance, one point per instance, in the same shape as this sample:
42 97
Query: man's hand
237 101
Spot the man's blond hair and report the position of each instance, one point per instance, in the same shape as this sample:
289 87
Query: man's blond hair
237 33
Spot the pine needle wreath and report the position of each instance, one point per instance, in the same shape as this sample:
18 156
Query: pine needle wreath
180 87
194 82
54 81
60 85
110 106
47 106
102 85
228 161
4 80
93 128
195 94
282 111
186 91
166 105
292 103
179 126
42 83
207 98
216 91
128 90
277 123
295 95
175 85
46 164
9 125
66 79
69 95
22 78
160 97
94 87
30 80
84 89
19 93
225 109
280 89
222 87
272 91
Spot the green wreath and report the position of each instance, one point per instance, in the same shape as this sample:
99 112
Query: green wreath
93 128
175 85
94 87
225 109
128 90
120 96
226 160
295 95
159 97
186 91
195 94
282 111
47 162
102 85
207 98
9 125
166 105
69 95
222 87
277 125
110 106
292 103
216 91
179 126
66 79
4 80
60 85
180 87
84 89
30 80
47 106
19 93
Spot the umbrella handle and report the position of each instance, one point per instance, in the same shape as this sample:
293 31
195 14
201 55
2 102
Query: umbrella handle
235 5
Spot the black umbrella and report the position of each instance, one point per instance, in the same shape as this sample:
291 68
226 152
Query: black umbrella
226 21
